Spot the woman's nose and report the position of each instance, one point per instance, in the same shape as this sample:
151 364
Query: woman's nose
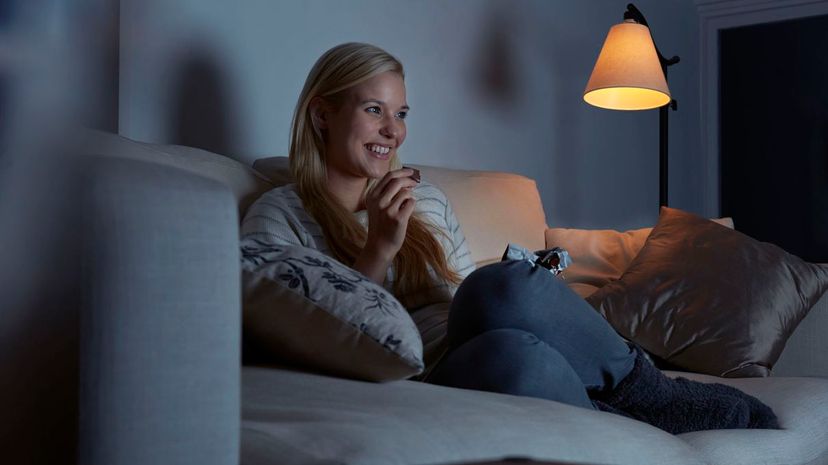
390 129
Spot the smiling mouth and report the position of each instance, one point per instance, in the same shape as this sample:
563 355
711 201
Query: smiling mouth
378 149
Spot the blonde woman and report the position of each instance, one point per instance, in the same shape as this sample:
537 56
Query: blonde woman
513 328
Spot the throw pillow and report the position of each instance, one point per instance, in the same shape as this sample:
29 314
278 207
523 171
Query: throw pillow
305 308
709 299
600 256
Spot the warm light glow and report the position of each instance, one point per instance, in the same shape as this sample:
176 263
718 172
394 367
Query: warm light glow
626 98
627 74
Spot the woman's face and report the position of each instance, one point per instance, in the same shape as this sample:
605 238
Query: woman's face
363 133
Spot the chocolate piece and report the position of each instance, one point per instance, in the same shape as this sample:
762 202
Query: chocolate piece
416 175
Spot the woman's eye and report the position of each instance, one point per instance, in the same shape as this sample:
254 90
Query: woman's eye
402 114
374 110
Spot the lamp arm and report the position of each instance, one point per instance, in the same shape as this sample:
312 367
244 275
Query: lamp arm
635 14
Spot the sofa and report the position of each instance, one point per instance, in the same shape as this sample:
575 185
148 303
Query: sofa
161 374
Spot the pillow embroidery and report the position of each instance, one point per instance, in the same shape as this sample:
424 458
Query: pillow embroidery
313 327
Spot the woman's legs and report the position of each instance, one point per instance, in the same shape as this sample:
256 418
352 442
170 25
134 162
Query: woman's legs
511 361
506 318
516 295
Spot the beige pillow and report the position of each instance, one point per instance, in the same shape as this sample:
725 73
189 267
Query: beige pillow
600 256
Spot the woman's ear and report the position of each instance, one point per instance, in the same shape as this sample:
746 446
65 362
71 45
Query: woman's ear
319 112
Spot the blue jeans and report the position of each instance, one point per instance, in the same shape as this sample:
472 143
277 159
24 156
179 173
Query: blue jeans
517 329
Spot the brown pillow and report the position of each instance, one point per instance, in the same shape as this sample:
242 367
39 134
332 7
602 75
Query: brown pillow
600 255
708 299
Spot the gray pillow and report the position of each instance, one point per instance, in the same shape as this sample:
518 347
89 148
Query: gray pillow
709 299
305 308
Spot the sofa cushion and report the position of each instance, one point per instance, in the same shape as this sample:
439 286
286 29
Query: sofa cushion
709 299
600 256
291 418
247 185
802 407
306 308
493 208
805 353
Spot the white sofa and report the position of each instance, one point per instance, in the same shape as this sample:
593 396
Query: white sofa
290 417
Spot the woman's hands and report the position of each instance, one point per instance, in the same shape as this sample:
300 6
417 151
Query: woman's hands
390 205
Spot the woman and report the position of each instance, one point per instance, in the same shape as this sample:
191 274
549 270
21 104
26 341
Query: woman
513 328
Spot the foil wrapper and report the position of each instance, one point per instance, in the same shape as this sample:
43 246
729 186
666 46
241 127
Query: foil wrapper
555 259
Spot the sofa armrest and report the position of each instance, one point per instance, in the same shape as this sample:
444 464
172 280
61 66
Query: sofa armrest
806 353
160 318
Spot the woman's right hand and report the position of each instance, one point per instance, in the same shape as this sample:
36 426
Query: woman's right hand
390 205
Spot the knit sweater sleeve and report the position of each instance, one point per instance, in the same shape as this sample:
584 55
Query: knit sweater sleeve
278 219
460 257
435 209
275 220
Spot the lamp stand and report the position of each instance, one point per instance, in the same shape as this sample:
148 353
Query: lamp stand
634 14
663 145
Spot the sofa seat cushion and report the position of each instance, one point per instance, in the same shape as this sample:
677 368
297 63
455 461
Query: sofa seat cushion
292 418
802 407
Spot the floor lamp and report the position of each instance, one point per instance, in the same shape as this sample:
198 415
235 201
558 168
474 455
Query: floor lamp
631 74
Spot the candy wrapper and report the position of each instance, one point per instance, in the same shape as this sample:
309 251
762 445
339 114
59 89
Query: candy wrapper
555 260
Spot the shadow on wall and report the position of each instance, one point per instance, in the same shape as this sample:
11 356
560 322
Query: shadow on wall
202 114
506 45
555 51
494 67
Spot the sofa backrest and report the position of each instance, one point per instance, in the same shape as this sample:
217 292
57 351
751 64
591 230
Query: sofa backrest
247 185
493 208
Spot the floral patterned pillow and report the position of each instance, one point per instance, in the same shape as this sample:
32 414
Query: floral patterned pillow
307 309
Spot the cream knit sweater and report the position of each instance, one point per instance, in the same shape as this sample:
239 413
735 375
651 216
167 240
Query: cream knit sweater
279 218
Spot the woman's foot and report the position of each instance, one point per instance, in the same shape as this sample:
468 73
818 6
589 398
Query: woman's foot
676 405
761 416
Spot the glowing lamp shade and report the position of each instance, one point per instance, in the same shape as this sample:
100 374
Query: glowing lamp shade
627 75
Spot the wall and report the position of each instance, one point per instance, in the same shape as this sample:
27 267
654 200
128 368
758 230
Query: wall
493 85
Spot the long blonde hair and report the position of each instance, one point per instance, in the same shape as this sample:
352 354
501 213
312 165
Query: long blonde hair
336 70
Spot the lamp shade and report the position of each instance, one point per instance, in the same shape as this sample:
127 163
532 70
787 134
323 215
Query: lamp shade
627 75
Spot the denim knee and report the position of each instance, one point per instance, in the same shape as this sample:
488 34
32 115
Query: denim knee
510 276
510 281
509 287
512 361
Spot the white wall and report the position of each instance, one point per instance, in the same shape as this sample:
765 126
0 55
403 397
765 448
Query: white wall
493 85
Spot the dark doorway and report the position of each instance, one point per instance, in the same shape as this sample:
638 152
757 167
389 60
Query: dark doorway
774 133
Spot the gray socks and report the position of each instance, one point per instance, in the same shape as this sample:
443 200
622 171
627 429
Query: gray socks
681 405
